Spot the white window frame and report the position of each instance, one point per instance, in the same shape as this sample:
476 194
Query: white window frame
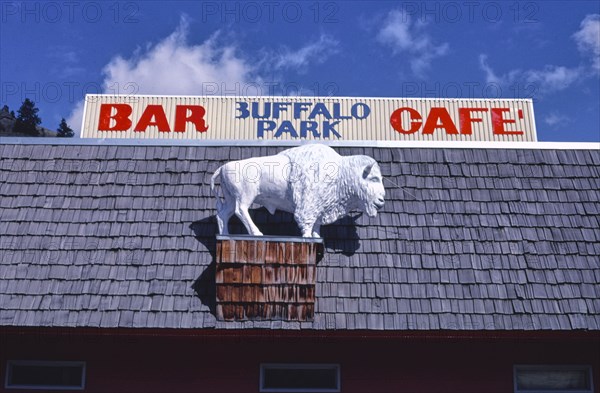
585 367
304 366
49 363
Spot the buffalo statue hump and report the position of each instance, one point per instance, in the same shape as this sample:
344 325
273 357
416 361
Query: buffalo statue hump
312 181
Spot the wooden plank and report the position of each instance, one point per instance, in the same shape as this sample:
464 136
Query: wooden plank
302 275
253 311
292 312
280 252
226 253
241 247
259 293
292 294
260 252
288 253
281 294
256 274
228 312
267 310
218 252
304 254
278 312
291 273
236 294
268 274
271 255
248 294
239 312
278 274
232 274
302 294
247 274
223 294
271 294
306 294
301 310
310 294
282 311
251 251
219 273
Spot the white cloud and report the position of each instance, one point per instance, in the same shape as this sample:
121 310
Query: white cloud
75 118
552 78
174 66
554 119
588 39
405 36
63 62
490 75
316 52
549 79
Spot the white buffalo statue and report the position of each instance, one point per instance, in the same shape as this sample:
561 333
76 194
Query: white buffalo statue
311 181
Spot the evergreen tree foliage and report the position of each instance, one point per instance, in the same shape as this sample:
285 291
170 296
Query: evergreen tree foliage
64 131
27 118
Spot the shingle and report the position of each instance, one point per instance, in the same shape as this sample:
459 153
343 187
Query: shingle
140 319
360 321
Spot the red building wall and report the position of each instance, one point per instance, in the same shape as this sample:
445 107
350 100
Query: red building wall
209 363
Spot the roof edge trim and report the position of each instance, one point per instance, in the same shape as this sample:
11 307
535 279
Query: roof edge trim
300 98
268 238
336 143
308 333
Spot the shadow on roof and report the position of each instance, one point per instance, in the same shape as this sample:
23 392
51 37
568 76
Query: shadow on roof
341 236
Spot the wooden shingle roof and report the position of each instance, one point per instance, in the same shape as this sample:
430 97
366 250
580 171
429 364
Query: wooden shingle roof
469 239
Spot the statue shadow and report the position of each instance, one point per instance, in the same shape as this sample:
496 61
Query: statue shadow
339 237
205 231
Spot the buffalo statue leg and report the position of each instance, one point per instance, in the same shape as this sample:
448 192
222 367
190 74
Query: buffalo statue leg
224 213
306 226
241 211
316 230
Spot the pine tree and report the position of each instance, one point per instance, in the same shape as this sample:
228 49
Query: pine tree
64 131
28 119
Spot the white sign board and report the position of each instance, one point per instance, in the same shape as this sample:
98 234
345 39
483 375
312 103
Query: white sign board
311 118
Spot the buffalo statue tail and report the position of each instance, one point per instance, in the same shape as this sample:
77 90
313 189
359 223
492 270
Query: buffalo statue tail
213 188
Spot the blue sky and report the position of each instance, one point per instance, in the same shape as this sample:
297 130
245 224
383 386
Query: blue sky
55 52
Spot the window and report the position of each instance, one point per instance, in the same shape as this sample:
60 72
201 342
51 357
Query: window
299 378
46 375
546 379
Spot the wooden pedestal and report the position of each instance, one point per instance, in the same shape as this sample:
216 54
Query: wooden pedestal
266 278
